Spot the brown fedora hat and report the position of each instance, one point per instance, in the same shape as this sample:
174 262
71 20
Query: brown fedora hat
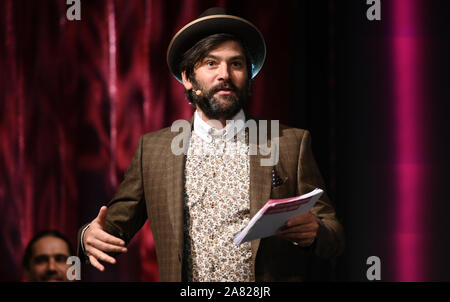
213 21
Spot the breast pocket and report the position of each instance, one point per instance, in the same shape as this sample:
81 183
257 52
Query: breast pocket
280 184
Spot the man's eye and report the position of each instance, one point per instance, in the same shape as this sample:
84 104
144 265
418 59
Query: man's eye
237 64
40 259
61 258
210 63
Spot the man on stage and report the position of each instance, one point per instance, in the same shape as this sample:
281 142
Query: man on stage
198 200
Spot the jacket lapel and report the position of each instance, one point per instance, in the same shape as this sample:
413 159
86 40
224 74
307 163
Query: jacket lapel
175 193
260 186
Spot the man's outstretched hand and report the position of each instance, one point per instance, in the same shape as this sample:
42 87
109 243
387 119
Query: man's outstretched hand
97 242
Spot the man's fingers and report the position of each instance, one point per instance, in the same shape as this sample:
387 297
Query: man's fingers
99 255
94 262
298 229
299 236
306 241
300 220
106 247
101 217
108 238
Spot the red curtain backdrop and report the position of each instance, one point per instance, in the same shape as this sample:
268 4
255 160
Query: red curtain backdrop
76 96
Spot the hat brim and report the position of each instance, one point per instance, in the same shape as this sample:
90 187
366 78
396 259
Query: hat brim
200 28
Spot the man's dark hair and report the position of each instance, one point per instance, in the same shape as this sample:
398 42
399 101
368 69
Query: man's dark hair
46 233
201 49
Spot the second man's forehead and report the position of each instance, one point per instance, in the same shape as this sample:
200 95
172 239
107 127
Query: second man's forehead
50 244
48 255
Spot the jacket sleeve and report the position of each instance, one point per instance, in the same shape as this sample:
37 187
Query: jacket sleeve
80 248
329 241
127 211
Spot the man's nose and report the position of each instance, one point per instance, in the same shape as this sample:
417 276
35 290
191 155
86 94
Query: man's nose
51 264
223 72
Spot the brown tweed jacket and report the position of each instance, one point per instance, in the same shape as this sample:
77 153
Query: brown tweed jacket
153 188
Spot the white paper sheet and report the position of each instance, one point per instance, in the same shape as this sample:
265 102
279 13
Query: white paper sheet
274 215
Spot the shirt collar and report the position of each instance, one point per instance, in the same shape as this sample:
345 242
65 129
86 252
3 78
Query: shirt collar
208 133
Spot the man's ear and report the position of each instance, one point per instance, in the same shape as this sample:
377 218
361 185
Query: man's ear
186 82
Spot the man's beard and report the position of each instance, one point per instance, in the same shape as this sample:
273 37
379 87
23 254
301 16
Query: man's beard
212 107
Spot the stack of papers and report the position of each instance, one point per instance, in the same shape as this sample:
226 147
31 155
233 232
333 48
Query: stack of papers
274 215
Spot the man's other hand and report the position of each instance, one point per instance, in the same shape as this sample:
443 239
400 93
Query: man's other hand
97 242
300 230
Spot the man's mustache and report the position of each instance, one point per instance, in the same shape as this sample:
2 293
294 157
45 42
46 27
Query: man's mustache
224 85
52 275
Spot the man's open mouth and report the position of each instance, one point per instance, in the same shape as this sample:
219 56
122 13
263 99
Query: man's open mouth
225 91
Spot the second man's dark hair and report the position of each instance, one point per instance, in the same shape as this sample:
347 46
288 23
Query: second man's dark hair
45 233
